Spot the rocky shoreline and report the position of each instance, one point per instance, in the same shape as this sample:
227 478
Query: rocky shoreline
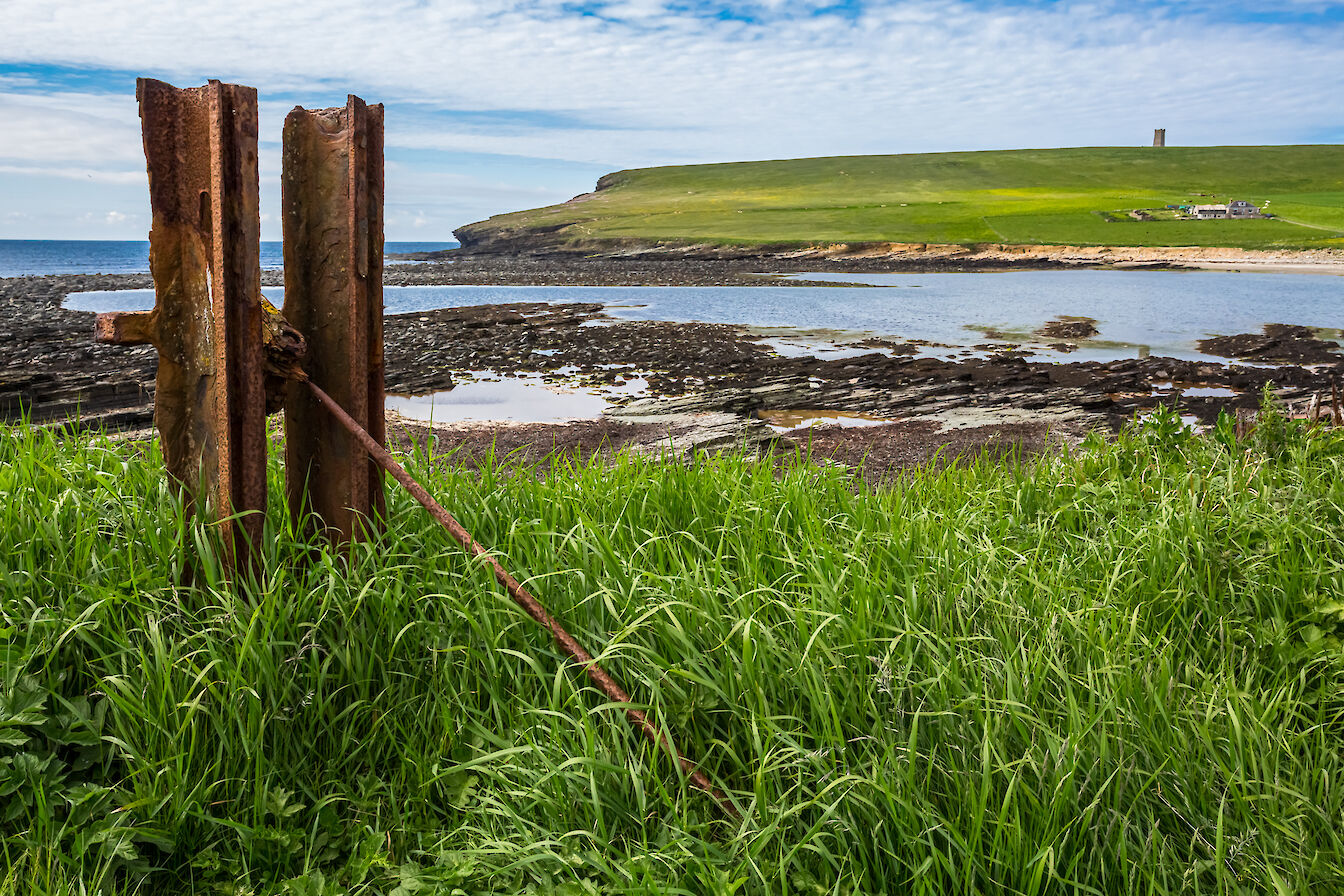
708 385
483 240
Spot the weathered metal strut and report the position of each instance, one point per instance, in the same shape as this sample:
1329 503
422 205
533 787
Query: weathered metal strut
332 182
207 322
521 596
225 354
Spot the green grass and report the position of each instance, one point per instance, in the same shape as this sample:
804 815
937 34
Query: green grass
1114 671
1017 196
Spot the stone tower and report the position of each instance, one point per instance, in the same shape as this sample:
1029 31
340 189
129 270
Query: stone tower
1160 137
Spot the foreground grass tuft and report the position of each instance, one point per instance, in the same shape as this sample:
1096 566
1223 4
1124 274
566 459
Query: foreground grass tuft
1113 671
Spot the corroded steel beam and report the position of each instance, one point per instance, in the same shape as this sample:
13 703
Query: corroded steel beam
332 188
204 255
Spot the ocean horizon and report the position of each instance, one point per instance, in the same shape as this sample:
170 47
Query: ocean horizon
32 258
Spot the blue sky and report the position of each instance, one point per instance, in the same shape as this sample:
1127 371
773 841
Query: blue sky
495 106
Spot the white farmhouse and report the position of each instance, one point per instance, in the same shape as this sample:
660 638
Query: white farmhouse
1237 208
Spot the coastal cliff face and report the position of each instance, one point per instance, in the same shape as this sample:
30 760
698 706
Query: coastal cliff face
570 239
501 235
486 238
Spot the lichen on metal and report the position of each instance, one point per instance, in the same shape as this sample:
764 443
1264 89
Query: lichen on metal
207 323
332 195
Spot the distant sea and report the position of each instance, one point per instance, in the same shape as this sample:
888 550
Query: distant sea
27 258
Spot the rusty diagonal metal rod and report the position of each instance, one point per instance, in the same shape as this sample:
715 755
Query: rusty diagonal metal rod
605 683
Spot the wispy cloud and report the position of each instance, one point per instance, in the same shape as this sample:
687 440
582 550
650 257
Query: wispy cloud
95 175
490 91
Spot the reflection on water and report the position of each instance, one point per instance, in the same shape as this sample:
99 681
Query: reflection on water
517 399
1136 312
804 347
101 300
1166 387
783 421
1189 421
1055 348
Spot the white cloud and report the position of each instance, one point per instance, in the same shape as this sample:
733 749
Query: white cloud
94 175
899 65
69 127
111 219
642 84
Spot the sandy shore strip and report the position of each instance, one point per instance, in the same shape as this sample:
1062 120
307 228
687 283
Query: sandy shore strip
1269 267
680 263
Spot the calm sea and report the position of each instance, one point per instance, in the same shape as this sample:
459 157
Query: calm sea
1137 312
26 258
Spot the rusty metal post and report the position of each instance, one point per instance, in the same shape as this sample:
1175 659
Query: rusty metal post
332 182
204 255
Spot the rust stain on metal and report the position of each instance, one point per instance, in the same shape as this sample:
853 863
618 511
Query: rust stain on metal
285 350
204 255
127 327
226 355
524 598
332 187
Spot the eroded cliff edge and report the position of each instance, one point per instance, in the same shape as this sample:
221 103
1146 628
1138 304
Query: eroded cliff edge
482 238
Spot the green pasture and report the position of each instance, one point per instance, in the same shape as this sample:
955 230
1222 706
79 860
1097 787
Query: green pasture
1017 196
1116 670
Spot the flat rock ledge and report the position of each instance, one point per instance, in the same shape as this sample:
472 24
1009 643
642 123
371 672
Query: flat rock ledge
709 385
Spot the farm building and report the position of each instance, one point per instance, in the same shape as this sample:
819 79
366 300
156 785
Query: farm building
1237 208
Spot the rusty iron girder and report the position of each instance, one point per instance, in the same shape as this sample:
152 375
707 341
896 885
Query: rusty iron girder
224 351
332 189
207 322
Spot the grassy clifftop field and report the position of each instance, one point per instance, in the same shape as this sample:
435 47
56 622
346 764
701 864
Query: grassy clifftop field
1042 197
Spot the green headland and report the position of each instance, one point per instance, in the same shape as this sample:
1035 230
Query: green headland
1085 196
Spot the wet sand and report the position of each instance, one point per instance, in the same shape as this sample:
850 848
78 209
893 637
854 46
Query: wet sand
1270 267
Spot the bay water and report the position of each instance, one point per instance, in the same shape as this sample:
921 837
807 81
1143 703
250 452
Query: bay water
29 258
1137 313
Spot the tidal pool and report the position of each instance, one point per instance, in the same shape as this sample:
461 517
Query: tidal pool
517 399
785 420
